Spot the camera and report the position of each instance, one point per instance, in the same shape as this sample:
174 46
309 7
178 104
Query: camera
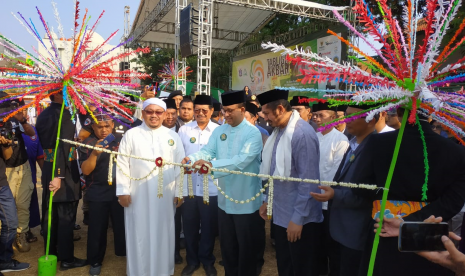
6 130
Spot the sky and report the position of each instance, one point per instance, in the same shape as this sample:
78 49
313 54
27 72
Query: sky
112 20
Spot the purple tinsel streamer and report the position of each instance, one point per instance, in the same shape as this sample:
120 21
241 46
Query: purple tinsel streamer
350 119
33 30
52 42
82 40
114 118
99 57
458 78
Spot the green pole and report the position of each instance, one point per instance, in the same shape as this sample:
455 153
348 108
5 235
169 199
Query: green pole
386 192
53 176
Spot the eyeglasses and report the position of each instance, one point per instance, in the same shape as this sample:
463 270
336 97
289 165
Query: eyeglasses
151 112
204 111
229 111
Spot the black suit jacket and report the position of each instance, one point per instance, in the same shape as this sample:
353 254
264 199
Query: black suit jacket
446 189
348 212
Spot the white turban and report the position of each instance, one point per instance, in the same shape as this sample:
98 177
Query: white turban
155 101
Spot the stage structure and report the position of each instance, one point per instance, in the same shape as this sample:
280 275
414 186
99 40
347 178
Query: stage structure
221 26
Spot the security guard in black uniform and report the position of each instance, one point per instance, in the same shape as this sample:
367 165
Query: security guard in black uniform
101 195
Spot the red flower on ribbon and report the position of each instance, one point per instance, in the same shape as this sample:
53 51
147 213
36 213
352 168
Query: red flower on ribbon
204 169
159 162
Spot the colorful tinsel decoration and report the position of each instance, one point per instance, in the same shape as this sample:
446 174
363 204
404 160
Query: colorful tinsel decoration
87 78
168 74
411 68
411 74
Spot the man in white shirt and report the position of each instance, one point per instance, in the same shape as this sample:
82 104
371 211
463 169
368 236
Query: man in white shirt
197 215
381 125
186 111
333 145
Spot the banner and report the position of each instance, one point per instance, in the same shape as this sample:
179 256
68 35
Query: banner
329 46
267 71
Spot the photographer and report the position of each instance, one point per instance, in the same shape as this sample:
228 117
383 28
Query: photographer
18 170
8 216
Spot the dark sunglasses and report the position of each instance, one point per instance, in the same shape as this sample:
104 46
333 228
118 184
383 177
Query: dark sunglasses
151 112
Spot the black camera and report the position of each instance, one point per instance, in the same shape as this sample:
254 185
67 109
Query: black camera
6 130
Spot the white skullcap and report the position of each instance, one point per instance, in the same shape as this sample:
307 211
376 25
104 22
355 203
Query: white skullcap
155 101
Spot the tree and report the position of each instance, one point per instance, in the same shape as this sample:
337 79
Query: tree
397 12
154 61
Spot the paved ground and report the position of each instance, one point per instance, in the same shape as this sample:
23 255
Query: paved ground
113 265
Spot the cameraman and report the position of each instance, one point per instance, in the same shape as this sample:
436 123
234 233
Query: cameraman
18 171
8 216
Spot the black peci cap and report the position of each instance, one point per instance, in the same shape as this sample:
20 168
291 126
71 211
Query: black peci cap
299 101
251 108
203 100
323 106
233 97
175 93
170 103
272 96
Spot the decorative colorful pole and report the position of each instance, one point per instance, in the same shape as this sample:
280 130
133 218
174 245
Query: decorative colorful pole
48 263
411 86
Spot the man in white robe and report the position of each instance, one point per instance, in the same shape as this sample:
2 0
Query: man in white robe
149 220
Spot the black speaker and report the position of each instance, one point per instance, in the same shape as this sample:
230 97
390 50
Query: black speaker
185 35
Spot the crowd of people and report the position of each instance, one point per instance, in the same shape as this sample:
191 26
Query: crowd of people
316 230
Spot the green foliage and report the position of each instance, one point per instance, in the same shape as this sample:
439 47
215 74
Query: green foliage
154 61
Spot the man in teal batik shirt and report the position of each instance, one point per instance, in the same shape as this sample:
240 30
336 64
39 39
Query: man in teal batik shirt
236 146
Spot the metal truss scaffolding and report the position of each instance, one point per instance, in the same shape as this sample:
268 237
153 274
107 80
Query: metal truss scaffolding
180 64
299 8
204 46
152 19
156 28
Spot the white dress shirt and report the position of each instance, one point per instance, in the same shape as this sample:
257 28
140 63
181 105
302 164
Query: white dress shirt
387 129
333 145
193 139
